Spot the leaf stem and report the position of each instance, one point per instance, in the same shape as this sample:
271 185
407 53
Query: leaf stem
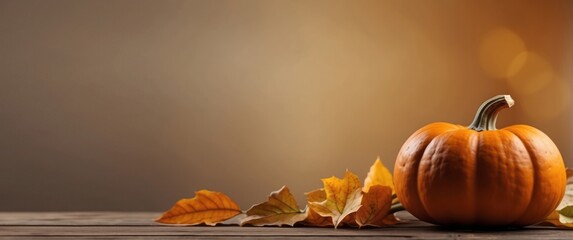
396 208
395 199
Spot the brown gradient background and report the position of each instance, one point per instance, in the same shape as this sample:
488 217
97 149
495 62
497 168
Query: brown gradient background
131 105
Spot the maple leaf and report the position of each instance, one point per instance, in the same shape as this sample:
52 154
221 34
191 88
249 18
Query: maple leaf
375 210
313 218
207 207
343 197
316 220
317 195
280 209
378 175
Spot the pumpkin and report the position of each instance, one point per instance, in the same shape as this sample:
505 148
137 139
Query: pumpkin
455 175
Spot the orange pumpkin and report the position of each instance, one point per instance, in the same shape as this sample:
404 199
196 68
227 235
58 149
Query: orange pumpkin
449 174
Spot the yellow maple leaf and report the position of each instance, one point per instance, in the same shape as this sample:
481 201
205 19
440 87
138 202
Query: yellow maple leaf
280 209
375 210
343 197
378 175
207 207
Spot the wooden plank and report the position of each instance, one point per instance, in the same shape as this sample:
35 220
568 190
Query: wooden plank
78 218
114 225
226 232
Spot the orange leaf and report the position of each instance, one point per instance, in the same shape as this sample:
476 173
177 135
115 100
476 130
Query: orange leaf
317 195
206 207
313 218
280 209
558 220
375 210
378 175
343 197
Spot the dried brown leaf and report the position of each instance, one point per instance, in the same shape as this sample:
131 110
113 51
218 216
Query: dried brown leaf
375 210
207 207
280 209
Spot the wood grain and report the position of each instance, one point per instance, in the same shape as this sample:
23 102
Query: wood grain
114 225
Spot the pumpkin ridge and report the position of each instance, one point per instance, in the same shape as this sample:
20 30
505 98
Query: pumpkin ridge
425 206
476 209
535 168
417 174
417 192
473 142
418 181
424 133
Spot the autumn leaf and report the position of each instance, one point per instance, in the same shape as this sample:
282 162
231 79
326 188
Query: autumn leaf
280 209
560 218
566 215
313 218
236 220
340 202
206 207
343 197
378 175
318 195
375 210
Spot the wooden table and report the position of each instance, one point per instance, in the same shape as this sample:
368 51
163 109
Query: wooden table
140 225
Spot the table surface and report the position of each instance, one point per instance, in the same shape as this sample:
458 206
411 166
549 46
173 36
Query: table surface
140 225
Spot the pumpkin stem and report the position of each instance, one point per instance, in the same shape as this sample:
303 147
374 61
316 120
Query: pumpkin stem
486 115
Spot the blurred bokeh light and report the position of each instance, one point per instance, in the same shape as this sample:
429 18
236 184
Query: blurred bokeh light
499 53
